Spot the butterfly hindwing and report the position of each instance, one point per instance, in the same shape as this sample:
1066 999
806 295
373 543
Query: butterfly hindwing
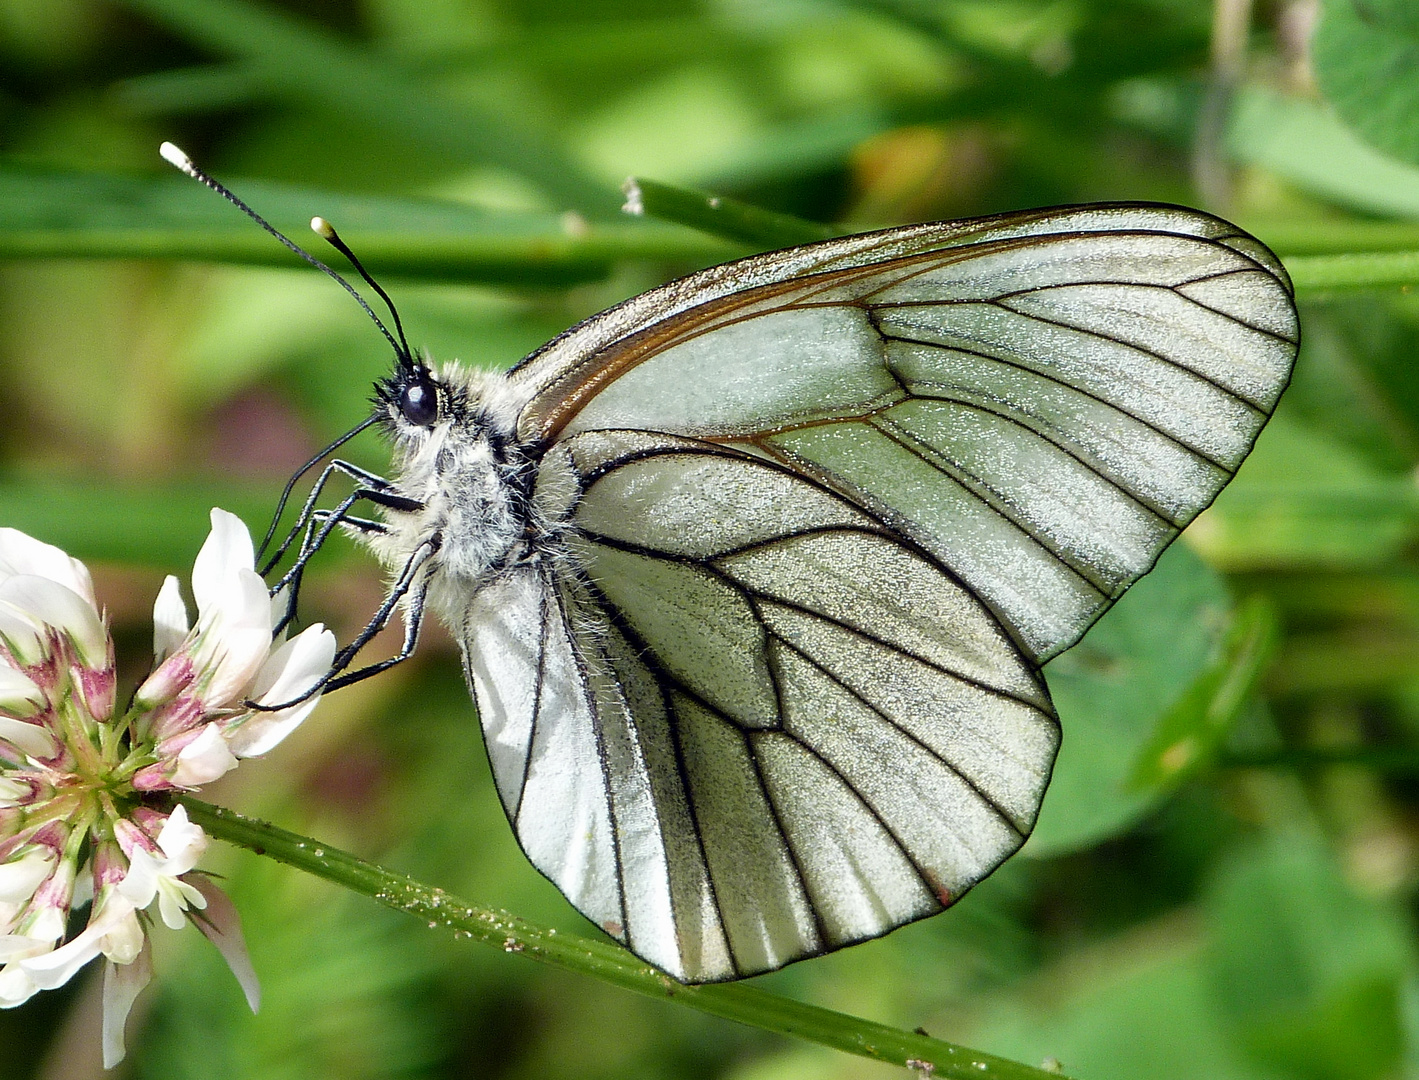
807 731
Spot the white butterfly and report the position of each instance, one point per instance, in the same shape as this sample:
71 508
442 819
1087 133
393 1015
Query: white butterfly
754 573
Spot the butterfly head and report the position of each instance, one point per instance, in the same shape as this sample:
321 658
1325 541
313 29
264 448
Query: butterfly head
412 399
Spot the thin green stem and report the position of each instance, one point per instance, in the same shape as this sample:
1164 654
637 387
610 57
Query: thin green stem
607 962
1399 759
721 216
1336 273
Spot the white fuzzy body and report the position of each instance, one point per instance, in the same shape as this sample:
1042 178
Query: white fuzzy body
466 473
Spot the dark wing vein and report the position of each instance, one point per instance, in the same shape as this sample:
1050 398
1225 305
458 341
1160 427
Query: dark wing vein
978 489
664 682
1060 442
951 766
596 727
1139 349
1019 364
544 615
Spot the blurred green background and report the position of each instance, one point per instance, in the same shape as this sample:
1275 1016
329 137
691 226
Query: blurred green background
1223 880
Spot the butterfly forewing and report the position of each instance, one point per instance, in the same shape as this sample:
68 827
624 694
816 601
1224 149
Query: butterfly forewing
826 512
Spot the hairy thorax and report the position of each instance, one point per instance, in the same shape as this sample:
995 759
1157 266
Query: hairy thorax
471 477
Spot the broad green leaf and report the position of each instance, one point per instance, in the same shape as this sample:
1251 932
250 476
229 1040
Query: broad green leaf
1307 972
1366 57
1112 689
305 62
1134 1009
1188 735
1305 144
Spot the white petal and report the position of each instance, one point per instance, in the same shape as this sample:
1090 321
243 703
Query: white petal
56 968
19 878
21 554
124 941
30 739
18 692
203 759
46 601
296 666
122 983
140 884
236 637
260 732
182 841
222 925
170 623
16 986
22 634
22 946
11 792
227 549
48 924
174 898
234 667
292 670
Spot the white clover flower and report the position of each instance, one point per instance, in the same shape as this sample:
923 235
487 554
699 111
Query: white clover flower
223 663
78 776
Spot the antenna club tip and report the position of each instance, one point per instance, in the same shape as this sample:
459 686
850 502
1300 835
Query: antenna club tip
175 157
322 227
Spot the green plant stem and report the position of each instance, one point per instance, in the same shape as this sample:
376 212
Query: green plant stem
1397 759
1318 274
721 216
529 259
607 962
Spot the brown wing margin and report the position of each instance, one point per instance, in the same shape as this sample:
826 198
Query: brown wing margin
558 378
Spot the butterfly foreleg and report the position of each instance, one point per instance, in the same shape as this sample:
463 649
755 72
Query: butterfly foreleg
320 524
369 481
411 587
318 520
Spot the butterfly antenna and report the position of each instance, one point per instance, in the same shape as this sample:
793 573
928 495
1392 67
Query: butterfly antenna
327 232
176 158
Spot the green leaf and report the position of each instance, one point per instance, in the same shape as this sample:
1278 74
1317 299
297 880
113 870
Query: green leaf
1366 57
303 61
1111 690
46 214
1305 144
1306 971
1189 734
1133 1009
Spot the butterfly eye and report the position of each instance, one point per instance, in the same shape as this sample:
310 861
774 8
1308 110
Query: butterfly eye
419 400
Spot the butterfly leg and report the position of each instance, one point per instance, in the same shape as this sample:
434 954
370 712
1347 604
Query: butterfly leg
413 584
315 540
369 480
318 520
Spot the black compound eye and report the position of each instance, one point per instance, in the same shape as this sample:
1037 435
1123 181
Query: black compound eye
419 401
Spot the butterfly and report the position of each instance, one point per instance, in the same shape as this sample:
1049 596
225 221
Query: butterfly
754 574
